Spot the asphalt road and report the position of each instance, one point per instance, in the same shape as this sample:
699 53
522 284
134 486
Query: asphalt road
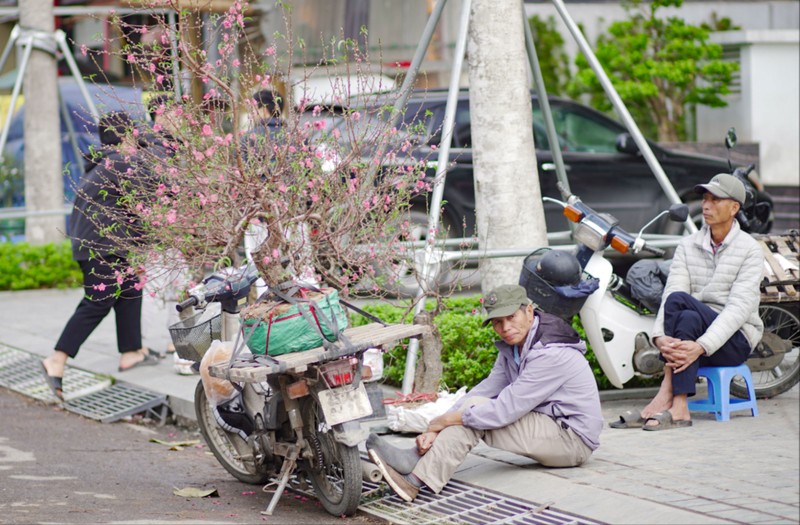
58 467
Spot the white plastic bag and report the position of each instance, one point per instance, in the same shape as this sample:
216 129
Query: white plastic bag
217 390
416 420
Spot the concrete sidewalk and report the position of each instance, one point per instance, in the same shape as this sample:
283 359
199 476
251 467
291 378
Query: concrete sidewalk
746 470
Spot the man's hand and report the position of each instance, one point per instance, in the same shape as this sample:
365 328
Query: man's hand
682 354
425 442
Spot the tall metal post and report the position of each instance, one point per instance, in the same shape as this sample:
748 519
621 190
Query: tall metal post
622 111
429 262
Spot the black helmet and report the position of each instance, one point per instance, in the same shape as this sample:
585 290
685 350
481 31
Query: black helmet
559 268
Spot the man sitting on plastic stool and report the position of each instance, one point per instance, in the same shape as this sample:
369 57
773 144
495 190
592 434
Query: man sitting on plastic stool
709 311
540 401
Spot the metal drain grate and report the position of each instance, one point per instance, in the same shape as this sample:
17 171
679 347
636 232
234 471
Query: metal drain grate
90 395
22 372
462 503
118 401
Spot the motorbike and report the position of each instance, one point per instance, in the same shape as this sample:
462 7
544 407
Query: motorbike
265 418
618 325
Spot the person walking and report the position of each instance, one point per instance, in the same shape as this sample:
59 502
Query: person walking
108 281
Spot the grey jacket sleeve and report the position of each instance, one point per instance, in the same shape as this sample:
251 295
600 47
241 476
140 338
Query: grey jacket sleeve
491 386
542 375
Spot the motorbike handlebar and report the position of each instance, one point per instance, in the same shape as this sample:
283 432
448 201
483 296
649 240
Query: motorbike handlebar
655 251
183 305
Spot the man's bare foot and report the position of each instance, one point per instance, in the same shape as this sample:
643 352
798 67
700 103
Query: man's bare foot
660 403
132 358
55 363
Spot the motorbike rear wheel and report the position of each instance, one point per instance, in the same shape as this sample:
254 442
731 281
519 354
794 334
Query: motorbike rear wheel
335 472
775 374
229 448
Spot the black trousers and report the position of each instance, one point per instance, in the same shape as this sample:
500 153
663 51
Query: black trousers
687 319
105 289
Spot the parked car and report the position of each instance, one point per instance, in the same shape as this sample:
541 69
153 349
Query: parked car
81 134
603 165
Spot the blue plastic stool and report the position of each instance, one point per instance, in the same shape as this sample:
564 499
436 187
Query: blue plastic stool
719 398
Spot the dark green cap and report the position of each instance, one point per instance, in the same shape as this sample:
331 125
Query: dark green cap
504 301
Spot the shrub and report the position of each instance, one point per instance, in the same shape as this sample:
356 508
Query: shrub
26 267
468 350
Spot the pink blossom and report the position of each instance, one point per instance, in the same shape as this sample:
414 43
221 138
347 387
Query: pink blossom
172 215
160 79
270 51
99 287
337 133
207 132
130 58
292 149
275 253
151 67
317 110
314 197
282 187
356 115
308 163
319 125
210 152
236 62
198 155
120 278
84 49
266 259
138 286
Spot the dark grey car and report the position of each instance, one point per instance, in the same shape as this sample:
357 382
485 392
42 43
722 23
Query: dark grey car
603 166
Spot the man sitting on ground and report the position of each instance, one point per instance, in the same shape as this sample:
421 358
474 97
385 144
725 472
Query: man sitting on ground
540 401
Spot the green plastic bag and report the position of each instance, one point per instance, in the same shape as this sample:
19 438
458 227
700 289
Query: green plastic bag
288 331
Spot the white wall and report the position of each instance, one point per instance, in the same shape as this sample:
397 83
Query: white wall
768 109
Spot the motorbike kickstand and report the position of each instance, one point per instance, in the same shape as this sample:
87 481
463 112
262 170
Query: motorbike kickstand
289 464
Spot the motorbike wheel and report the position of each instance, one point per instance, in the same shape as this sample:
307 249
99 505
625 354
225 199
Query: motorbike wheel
778 373
228 448
335 471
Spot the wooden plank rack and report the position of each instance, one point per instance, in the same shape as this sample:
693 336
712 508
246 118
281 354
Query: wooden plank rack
256 368
781 283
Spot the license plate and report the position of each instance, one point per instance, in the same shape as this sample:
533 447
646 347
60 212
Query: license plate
344 404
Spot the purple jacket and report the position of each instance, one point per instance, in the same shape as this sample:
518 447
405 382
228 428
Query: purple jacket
553 377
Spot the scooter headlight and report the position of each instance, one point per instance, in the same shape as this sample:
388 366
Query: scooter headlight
591 235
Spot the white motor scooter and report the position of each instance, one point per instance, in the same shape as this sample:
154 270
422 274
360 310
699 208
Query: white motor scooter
618 326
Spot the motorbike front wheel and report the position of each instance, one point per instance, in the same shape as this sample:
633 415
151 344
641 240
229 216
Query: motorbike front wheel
335 469
229 448
776 371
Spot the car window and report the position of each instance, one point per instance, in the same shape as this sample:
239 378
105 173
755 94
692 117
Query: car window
580 130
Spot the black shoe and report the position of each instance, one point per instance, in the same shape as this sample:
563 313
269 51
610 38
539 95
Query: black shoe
232 416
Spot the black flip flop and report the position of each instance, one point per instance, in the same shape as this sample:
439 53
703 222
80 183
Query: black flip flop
628 419
56 384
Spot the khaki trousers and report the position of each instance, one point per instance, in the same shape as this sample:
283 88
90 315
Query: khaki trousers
535 436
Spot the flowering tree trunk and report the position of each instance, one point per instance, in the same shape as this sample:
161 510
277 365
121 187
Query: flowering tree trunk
508 199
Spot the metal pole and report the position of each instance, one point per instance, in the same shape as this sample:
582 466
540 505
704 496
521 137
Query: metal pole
61 39
173 43
544 103
438 186
622 111
28 47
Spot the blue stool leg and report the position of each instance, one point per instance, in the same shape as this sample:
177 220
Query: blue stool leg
724 413
747 376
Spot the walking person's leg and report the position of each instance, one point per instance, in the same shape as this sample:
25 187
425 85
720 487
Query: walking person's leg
91 310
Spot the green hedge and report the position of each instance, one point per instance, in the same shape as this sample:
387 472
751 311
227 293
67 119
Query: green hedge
26 267
468 350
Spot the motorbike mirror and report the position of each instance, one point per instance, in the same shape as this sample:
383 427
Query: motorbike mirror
626 144
730 138
678 212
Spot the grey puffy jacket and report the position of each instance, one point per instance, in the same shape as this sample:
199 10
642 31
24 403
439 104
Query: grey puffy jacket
728 282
